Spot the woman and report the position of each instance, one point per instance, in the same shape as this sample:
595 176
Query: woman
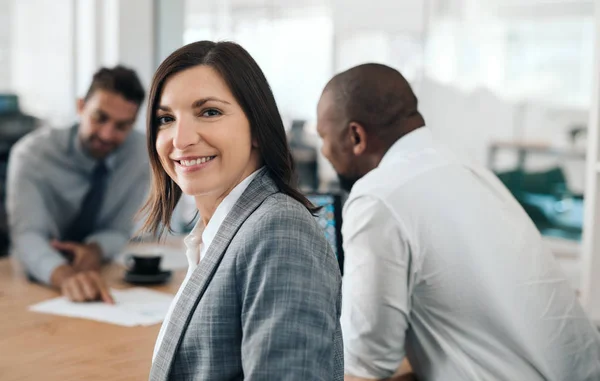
261 300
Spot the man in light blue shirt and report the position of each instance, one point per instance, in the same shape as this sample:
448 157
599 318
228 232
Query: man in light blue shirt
72 193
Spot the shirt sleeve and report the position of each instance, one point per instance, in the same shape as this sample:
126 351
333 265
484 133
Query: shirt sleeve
30 223
111 242
375 296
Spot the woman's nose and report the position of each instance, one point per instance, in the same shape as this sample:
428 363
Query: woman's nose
185 135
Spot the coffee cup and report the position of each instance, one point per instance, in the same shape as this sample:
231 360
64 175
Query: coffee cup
143 264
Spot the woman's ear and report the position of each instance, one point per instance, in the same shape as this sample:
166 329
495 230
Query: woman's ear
254 143
358 138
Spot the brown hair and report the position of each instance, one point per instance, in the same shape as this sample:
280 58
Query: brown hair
251 90
120 80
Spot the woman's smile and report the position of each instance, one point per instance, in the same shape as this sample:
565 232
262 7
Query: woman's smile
190 164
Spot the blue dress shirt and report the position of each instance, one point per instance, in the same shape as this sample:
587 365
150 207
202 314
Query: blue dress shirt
48 177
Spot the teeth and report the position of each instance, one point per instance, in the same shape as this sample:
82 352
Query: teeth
189 163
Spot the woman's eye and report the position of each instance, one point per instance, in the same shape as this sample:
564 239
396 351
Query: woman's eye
162 120
211 112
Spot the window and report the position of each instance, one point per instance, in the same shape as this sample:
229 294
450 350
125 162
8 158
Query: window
293 47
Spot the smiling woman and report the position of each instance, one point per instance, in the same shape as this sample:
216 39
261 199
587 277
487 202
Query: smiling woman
203 138
216 97
262 295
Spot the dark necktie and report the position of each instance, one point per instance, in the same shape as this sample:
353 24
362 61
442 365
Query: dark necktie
84 223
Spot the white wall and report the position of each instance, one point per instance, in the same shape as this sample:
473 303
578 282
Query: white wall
482 87
590 280
130 40
56 46
295 54
88 42
42 59
169 27
136 39
470 120
6 10
454 52
391 33
464 57
293 47
393 16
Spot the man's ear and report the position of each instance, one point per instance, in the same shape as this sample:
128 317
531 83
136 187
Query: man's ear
79 105
358 138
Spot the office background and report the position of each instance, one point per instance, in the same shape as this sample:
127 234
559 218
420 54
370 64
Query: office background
508 83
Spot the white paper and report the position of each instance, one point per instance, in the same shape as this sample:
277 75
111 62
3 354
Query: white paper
135 306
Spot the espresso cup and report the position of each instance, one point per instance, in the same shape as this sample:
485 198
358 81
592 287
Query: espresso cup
143 264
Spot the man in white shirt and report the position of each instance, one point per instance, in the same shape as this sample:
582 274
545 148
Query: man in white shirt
442 265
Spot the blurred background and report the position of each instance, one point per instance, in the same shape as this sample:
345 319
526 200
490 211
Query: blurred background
508 83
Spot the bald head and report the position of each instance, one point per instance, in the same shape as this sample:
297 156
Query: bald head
361 114
377 97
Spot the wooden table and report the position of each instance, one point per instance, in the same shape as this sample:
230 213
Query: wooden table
35 346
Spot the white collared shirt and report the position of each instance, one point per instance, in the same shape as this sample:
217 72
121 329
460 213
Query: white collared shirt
443 266
198 242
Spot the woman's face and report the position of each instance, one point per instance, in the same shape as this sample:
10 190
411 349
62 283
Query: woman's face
203 141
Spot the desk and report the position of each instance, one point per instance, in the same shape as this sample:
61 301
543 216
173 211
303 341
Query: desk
35 346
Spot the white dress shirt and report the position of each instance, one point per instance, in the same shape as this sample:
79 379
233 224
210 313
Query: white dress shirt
443 266
198 242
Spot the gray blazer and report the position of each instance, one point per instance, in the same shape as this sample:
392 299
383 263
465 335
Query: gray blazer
263 304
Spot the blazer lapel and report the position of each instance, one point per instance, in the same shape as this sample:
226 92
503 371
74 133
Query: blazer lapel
259 189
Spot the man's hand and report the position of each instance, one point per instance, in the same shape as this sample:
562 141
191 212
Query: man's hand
84 257
80 286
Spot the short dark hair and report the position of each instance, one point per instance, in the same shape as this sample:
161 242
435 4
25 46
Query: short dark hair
120 80
251 90
377 97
